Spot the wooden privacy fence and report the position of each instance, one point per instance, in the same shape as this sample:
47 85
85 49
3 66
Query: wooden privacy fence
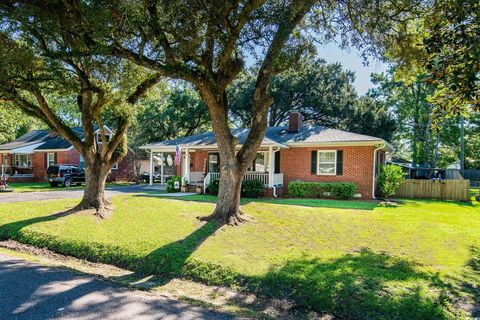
434 189
471 174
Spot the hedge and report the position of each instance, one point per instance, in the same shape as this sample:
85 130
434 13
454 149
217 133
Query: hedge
338 190
250 188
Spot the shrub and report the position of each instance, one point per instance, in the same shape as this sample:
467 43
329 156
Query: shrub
339 190
298 189
390 178
252 188
213 186
343 190
171 184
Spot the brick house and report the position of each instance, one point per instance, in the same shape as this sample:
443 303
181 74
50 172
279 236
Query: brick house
27 158
298 151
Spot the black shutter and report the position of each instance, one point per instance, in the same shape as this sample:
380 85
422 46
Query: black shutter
277 162
55 158
313 168
339 162
45 158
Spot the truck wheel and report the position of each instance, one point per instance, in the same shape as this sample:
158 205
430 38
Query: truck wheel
67 183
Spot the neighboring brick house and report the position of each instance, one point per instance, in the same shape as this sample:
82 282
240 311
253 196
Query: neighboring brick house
28 157
297 152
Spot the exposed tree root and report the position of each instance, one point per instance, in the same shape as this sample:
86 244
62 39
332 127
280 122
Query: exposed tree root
103 208
235 219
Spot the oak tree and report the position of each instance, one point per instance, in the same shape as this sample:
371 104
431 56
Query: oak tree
40 62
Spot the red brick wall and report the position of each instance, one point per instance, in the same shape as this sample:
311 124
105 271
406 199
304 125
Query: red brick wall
72 156
199 161
39 166
295 164
126 169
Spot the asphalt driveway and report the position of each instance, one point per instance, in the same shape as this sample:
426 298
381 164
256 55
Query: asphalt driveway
33 291
66 193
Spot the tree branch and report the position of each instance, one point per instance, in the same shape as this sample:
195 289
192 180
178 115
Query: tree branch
261 97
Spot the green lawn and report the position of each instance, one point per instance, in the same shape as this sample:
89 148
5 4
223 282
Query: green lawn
324 203
44 186
420 260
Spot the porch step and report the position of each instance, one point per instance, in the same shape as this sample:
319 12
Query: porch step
191 188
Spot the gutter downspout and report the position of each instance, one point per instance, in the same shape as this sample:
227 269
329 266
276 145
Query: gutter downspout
274 191
374 180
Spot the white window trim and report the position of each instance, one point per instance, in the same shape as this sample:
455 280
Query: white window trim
318 163
115 166
28 155
48 158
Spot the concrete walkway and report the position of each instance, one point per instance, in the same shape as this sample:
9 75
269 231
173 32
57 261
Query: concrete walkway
67 194
173 194
33 291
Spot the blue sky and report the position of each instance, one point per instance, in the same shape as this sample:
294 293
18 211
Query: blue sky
350 59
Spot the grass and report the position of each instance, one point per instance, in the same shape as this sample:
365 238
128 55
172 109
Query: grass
420 260
45 186
324 203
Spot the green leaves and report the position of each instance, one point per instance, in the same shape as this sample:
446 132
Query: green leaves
390 178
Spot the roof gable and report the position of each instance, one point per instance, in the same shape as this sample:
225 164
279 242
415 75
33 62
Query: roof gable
43 136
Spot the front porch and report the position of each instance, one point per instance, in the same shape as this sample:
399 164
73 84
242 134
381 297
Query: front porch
17 167
199 166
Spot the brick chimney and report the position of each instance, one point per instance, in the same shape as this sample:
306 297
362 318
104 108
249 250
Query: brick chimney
295 122
53 134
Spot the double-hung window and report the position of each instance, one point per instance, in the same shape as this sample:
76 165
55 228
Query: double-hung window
327 162
50 159
23 160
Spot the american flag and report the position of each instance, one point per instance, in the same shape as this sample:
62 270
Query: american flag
178 155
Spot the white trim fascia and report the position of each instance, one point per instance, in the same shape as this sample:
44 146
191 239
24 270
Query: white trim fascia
202 147
336 144
26 149
53 150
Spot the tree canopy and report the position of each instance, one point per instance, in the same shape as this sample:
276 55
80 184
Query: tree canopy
323 93
40 68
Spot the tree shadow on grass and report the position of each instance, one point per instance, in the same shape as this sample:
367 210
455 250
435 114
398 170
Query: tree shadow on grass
169 261
364 285
472 283
12 230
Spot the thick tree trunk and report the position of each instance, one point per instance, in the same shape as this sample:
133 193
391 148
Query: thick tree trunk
94 194
227 210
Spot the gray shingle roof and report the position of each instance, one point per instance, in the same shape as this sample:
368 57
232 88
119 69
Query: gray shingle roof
32 137
204 139
274 135
39 136
314 133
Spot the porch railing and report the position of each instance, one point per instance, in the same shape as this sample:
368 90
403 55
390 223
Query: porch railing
263 177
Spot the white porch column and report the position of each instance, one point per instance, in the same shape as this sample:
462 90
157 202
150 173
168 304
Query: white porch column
271 166
162 180
150 181
187 163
